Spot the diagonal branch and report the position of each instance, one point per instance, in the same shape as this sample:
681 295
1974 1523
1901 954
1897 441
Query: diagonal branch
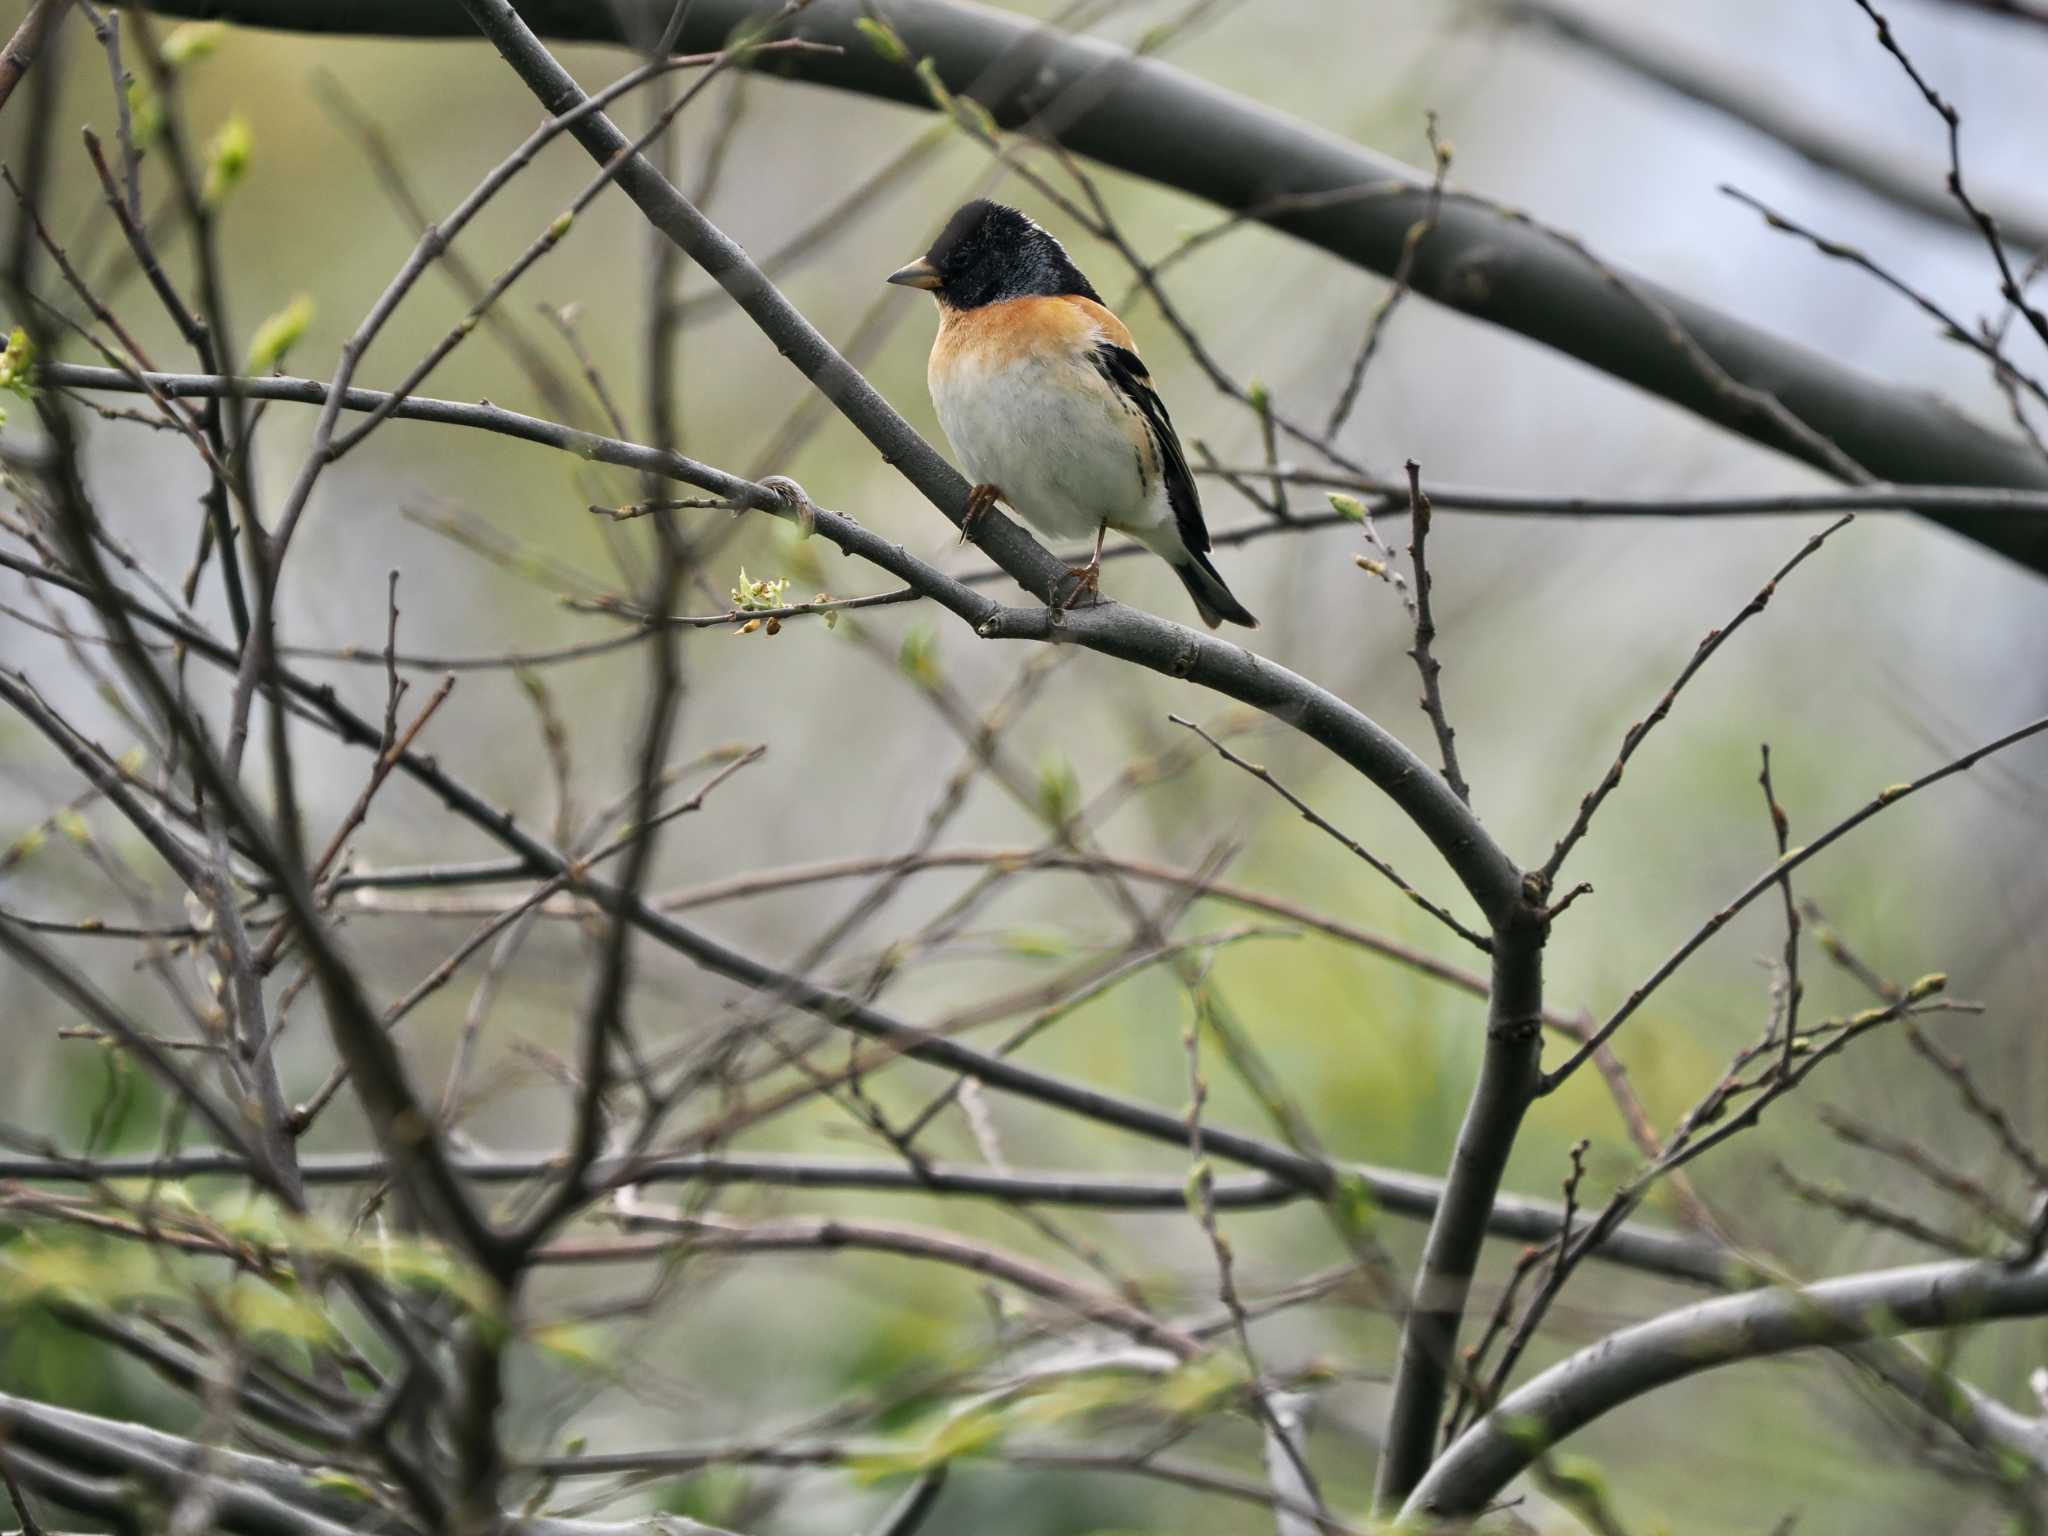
1702 654
1163 124
1636 1361
1742 95
1317 820
19 55
1481 866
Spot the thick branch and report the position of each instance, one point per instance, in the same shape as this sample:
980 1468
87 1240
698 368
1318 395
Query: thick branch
98 1465
1679 1344
1740 94
1486 872
1508 1079
1164 125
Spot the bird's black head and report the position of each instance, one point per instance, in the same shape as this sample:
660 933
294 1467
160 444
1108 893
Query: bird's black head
988 253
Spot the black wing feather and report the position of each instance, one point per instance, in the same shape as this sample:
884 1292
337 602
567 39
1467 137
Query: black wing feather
1126 374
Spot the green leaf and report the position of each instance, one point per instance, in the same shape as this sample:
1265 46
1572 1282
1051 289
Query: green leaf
1199 1385
17 362
85 1272
579 1343
227 158
1347 506
1079 1396
279 333
1038 943
1580 1476
259 1222
759 592
883 39
257 1307
919 657
964 1434
1059 789
928 74
797 555
1353 1206
1927 986
192 42
145 114
409 1260
334 1480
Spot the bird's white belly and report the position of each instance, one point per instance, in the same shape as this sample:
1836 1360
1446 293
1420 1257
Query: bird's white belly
1047 434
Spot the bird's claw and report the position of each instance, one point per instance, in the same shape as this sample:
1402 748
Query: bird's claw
1087 578
979 500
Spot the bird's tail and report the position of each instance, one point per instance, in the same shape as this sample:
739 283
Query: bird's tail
1212 598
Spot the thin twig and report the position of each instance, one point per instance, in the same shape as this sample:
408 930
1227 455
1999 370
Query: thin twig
42 17
1397 289
1310 815
1784 866
1702 653
1425 634
1781 828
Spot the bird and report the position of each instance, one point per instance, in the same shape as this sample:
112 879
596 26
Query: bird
1048 407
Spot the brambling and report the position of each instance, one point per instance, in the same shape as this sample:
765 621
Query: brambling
1049 409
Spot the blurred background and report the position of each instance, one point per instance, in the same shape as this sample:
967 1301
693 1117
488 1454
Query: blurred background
1897 647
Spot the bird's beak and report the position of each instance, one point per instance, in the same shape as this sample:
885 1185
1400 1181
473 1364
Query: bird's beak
919 274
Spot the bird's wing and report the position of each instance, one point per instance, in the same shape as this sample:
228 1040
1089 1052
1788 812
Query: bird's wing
1125 373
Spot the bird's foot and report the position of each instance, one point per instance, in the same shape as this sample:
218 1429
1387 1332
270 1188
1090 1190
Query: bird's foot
979 500
1087 578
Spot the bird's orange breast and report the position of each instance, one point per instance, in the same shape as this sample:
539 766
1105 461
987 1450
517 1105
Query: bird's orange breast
1001 335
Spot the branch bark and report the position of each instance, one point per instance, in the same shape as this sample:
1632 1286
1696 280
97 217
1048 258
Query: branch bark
1516 1218
1168 127
1777 114
1509 1075
96 1464
1753 1326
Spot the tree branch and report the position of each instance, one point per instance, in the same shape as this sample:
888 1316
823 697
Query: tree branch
1758 1324
1742 96
1164 125
1509 1076
1674 1256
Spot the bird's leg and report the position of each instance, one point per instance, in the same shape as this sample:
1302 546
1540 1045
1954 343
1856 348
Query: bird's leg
1087 578
979 500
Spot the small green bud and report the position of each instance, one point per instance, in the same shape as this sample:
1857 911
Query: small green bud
1059 790
227 158
192 42
1347 506
279 333
753 594
16 362
145 114
883 39
928 73
919 657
